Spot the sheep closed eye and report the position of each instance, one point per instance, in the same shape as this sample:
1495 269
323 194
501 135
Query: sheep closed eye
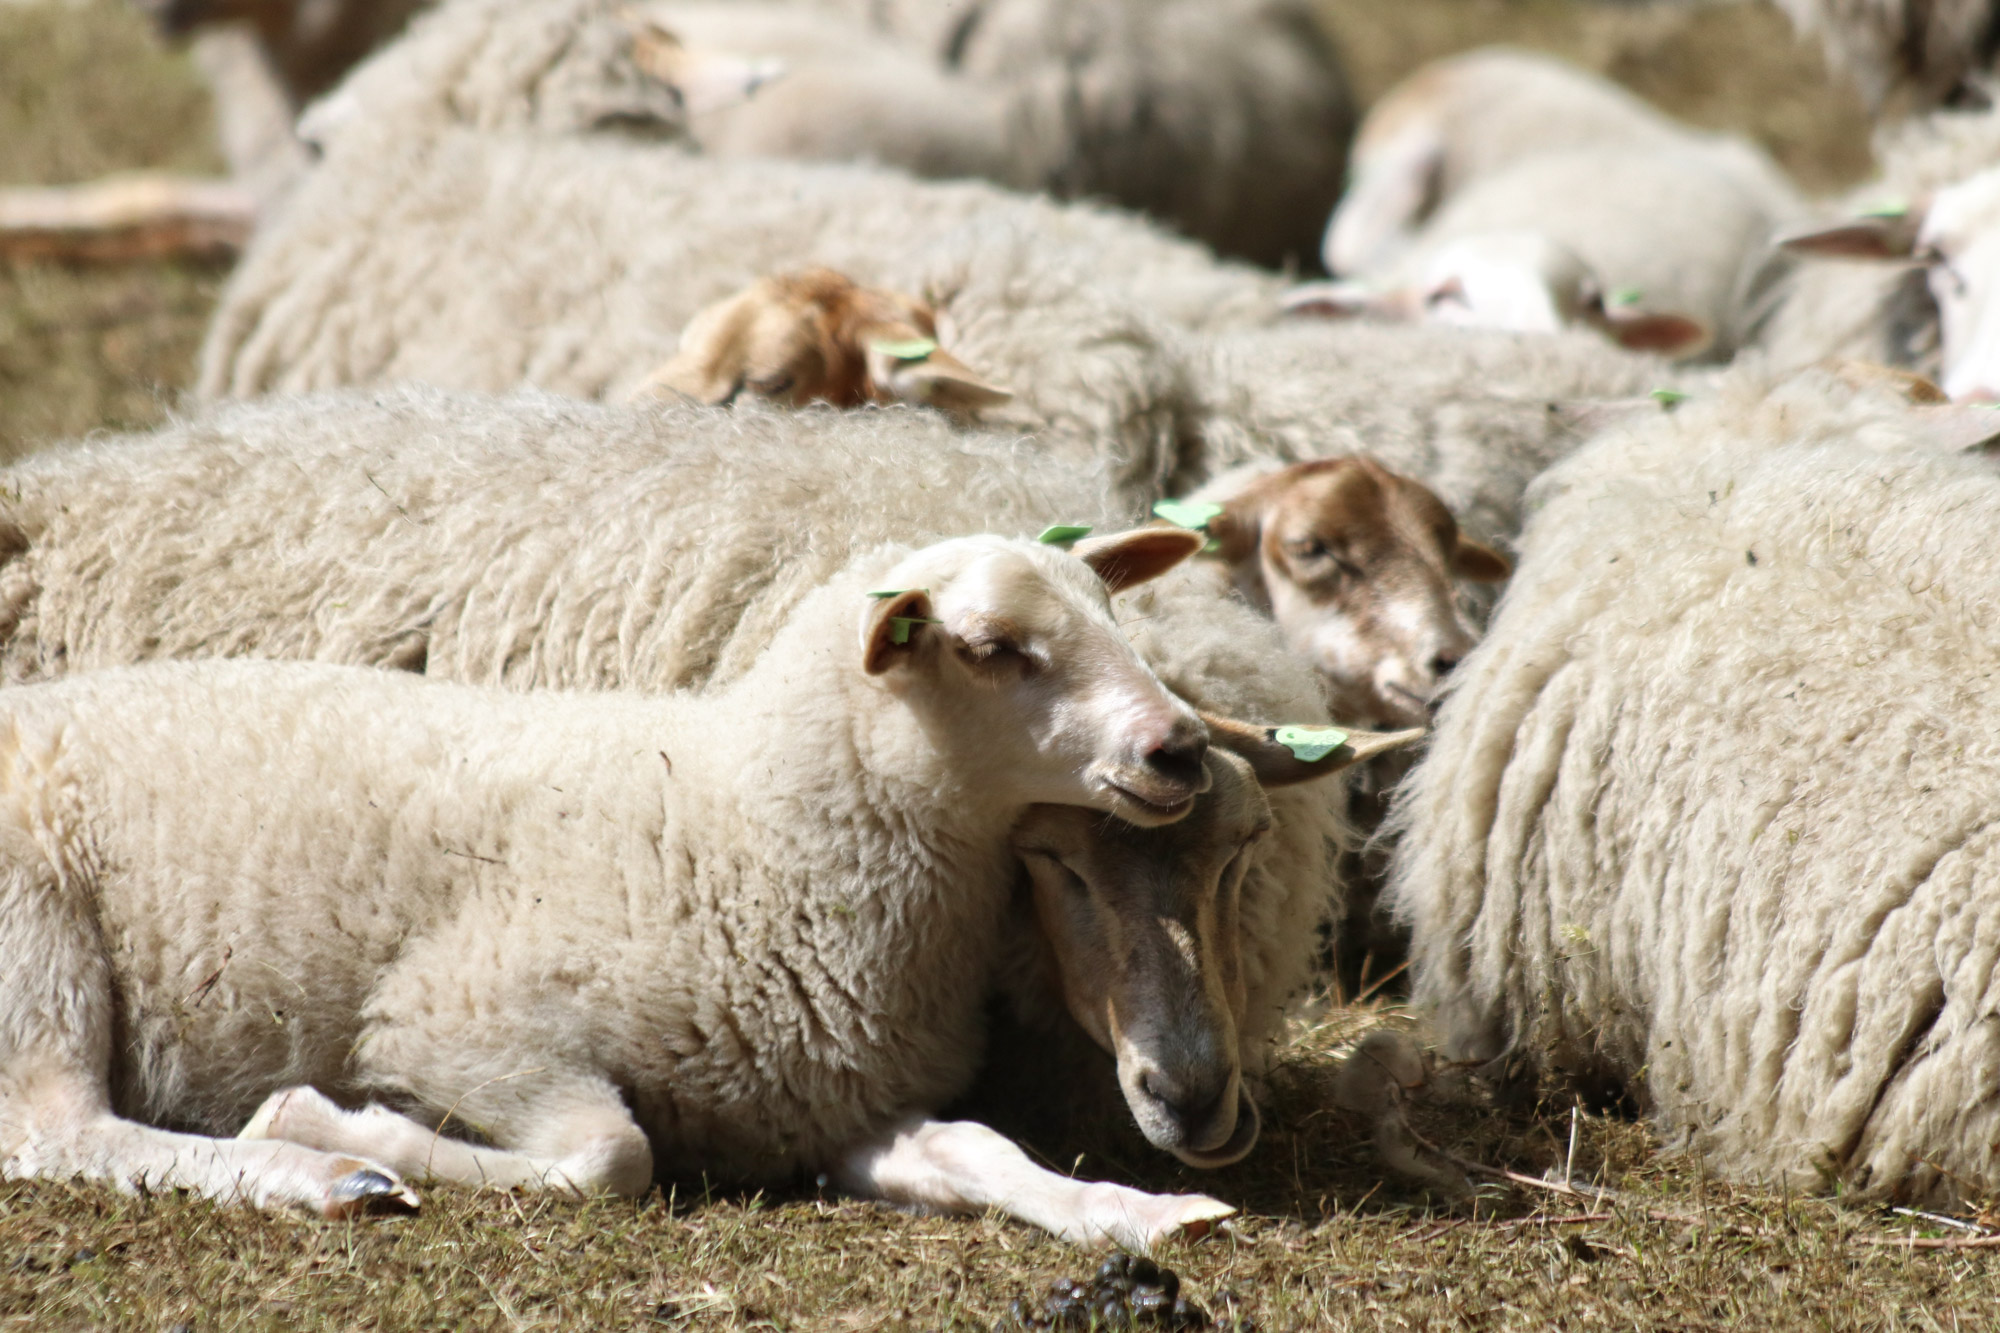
774 385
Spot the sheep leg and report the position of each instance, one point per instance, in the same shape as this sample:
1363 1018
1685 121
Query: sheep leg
587 1145
964 1167
56 1120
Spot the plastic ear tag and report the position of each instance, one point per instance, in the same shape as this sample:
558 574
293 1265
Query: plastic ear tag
905 349
1194 514
1310 744
1888 208
1623 296
1062 534
899 626
886 593
1669 398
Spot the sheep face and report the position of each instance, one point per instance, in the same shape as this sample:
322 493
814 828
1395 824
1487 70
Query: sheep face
1007 653
1356 565
1143 924
1145 931
1959 242
1956 238
1517 281
817 337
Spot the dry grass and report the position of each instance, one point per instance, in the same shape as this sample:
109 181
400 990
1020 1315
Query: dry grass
1324 1245
85 91
1324 1242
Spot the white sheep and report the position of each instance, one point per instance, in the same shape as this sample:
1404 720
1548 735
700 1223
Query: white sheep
535 542
1706 820
1229 121
1477 151
491 261
612 933
1920 287
1473 414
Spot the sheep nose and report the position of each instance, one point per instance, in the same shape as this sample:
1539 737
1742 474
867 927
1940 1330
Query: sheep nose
1191 1103
1178 757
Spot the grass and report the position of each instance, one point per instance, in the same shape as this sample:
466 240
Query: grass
1324 1242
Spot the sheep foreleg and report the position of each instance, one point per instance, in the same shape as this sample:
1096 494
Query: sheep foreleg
963 1167
591 1148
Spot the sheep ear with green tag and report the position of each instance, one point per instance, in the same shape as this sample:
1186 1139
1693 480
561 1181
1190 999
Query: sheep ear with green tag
1284 755
890 628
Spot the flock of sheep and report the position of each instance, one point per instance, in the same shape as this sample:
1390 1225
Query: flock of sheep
647 375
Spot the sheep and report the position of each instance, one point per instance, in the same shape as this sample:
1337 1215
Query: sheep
1930 53
619 1040
490 261
1474 415
1464 117
534 542
1931 216
1227 121
1701 827
1629 202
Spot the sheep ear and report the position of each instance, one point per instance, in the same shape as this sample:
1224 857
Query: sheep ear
1344 299
1277 764
1479 562
1669 335
938 380
1959 426
893 628
1127 559
706 80
1238 528
1889 235
713 356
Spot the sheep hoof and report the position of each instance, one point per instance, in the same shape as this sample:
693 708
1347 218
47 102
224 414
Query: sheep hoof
1201 1217
366 1190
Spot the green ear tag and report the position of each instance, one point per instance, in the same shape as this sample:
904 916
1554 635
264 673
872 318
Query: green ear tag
1062 534
907 349
899 626
886 593
1625 296
1669 398
1187 513
1310 744
1890 208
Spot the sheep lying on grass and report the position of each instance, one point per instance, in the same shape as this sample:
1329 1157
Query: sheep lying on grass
730 932
536 541
1707 818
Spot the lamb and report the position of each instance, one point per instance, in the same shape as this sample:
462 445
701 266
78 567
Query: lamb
1932 217
1475 152
620 1040
1930 54
533 542
1702 826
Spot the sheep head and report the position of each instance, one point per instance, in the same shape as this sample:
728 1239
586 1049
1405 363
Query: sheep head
1356 564
1953 238
1520 281
1008 656
1144 927
815 336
